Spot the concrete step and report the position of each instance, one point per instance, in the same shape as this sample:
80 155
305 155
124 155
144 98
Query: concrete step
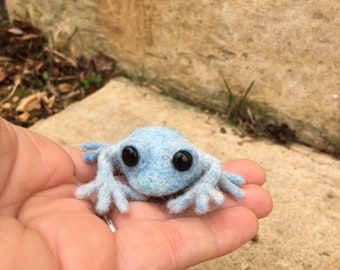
303 230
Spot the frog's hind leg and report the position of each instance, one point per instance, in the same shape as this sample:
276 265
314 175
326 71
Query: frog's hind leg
93 148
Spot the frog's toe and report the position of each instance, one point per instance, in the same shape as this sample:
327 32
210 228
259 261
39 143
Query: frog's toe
234 178
217 197
203 199
202 204
91 156
85 191
233 189
236 191
103 201
134 195
123 206
93 145
175 207
121 201
179 204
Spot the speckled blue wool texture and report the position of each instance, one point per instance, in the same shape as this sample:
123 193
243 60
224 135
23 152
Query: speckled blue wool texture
155 173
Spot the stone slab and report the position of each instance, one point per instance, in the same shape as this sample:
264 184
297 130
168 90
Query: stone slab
303 230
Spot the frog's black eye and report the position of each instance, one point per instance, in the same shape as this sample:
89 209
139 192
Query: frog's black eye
130 156
182 160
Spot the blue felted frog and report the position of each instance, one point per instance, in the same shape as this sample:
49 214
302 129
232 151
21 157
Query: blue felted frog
157 162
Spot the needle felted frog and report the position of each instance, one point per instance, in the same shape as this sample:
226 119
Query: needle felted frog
157 162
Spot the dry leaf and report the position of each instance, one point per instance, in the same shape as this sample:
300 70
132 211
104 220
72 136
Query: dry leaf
3 75
48 104
31 66
15 31
65 88
6 59
51 102
104 64
7 106
29 36
24 117
15 99
30 103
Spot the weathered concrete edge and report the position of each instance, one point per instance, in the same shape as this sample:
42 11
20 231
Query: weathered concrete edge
265 114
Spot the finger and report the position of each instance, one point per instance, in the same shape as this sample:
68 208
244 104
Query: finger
83 171
30 163
186 241
8 151
139 212
256 199
250 170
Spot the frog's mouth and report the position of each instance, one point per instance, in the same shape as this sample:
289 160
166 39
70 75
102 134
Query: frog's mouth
167 197
156 199
123 179
150 188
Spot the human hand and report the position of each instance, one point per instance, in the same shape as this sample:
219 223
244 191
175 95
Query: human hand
42 225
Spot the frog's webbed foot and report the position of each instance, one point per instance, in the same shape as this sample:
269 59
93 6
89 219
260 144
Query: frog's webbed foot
230 182
117 194
110 193
200 195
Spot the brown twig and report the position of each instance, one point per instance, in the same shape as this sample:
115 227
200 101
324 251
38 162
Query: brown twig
16 84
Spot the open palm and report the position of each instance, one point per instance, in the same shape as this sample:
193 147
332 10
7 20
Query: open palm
42 225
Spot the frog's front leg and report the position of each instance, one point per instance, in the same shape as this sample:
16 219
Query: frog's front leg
108 188
204 190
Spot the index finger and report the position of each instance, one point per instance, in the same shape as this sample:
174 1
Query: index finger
84 171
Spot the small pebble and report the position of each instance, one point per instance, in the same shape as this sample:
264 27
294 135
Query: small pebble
223 130
245 266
